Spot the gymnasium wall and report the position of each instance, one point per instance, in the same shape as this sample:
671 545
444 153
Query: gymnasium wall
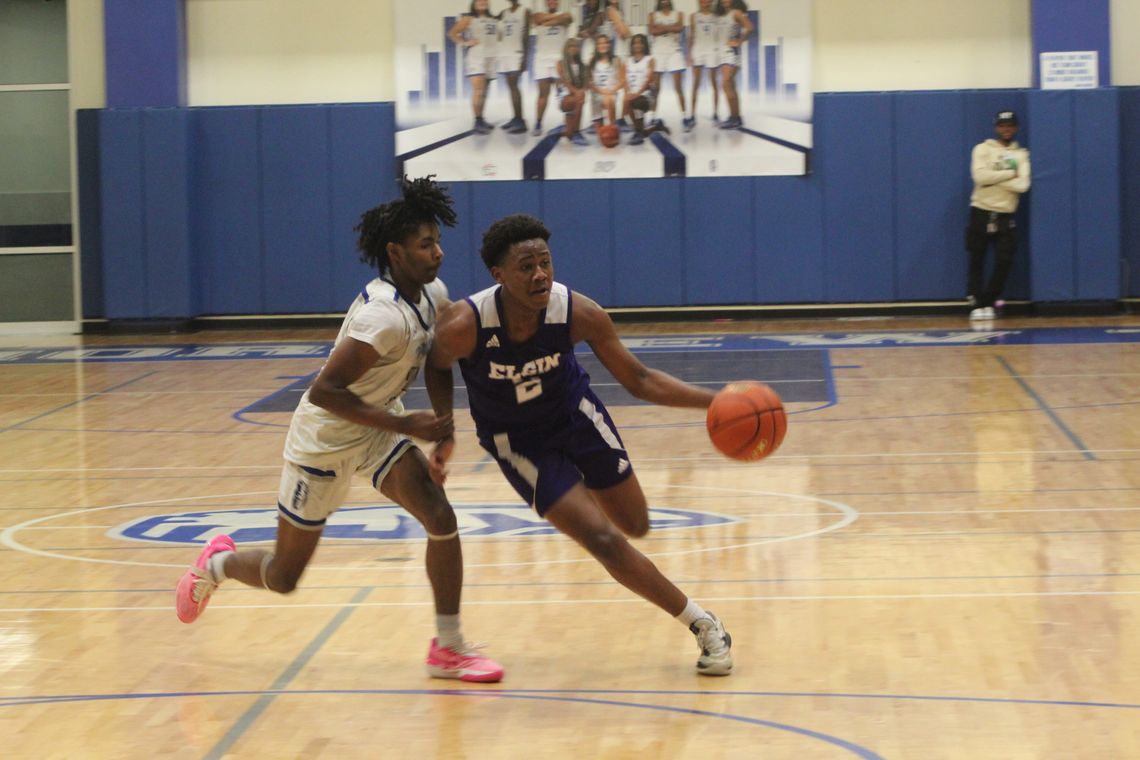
1125 19
249 210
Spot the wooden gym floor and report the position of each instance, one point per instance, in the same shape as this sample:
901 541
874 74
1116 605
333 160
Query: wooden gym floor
941 562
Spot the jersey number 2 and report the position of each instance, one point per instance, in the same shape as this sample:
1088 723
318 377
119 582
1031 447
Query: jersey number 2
528 389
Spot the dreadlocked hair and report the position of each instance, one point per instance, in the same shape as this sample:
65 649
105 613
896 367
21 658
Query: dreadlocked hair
501 235
422 202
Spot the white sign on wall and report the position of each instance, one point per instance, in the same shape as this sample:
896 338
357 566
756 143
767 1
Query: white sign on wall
1074 70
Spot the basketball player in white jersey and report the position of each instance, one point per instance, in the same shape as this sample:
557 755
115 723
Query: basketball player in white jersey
514 35
605 82
665 26
704 56
735 28
640 90
477 32
352 422
551 30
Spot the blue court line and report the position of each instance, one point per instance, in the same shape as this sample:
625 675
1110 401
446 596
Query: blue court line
1045 408
79 401
675 162
485 692
254 712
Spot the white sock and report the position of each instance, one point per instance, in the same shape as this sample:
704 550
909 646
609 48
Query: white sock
691 614
216 566
448 634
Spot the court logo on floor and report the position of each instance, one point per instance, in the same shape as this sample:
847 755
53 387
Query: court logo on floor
378 523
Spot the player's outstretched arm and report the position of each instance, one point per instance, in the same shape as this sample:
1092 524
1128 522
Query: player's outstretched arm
347 364
591 324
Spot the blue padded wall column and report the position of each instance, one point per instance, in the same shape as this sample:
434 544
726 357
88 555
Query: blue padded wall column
1130 190
1071 26
1052 197
1075 200
170 270
1097 161
145 51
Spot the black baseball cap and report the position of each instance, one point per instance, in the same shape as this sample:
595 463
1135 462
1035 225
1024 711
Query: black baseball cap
1003 116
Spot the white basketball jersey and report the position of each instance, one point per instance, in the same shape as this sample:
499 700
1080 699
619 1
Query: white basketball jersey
401 333
605 74
730 28
636 73
549 40
669 43
485 31
705 28
511 27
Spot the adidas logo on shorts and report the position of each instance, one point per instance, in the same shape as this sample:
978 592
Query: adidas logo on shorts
623 465
493 342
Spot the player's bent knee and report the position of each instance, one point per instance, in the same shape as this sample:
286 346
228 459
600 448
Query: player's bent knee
605 546
636 527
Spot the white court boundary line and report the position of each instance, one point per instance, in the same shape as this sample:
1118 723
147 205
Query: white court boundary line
703 459
631 600
7 537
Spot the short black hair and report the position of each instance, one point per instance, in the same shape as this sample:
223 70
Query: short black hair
501 235
422 201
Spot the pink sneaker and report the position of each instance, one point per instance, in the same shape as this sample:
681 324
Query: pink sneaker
194 588
466 665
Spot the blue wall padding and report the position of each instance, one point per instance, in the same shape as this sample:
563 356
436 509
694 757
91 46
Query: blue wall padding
362 175
647 246
463 269
226 201
580 214
931 194
296 205
1130 187
787 242
1052 199
170 270
87 157
124 244
718 261
1096 166
250 210
855 159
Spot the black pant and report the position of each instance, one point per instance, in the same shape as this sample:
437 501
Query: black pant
987 226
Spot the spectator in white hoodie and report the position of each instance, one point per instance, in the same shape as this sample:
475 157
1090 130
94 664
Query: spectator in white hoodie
1000 169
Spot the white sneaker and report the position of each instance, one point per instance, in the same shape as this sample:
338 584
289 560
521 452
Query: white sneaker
716 646
985 312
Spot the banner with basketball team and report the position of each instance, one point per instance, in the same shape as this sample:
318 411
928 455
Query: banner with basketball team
587 89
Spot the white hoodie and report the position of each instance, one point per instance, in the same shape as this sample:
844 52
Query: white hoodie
997 188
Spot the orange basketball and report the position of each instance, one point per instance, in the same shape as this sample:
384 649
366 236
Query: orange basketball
609 135
746 421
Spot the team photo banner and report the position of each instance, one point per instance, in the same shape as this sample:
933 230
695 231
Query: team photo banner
563 89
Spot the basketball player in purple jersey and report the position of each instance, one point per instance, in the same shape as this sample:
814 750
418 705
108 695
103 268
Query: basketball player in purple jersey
536 415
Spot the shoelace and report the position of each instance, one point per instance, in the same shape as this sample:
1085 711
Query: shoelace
711 639
202 587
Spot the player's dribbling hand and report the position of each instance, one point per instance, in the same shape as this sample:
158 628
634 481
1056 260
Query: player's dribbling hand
426 426
440 455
